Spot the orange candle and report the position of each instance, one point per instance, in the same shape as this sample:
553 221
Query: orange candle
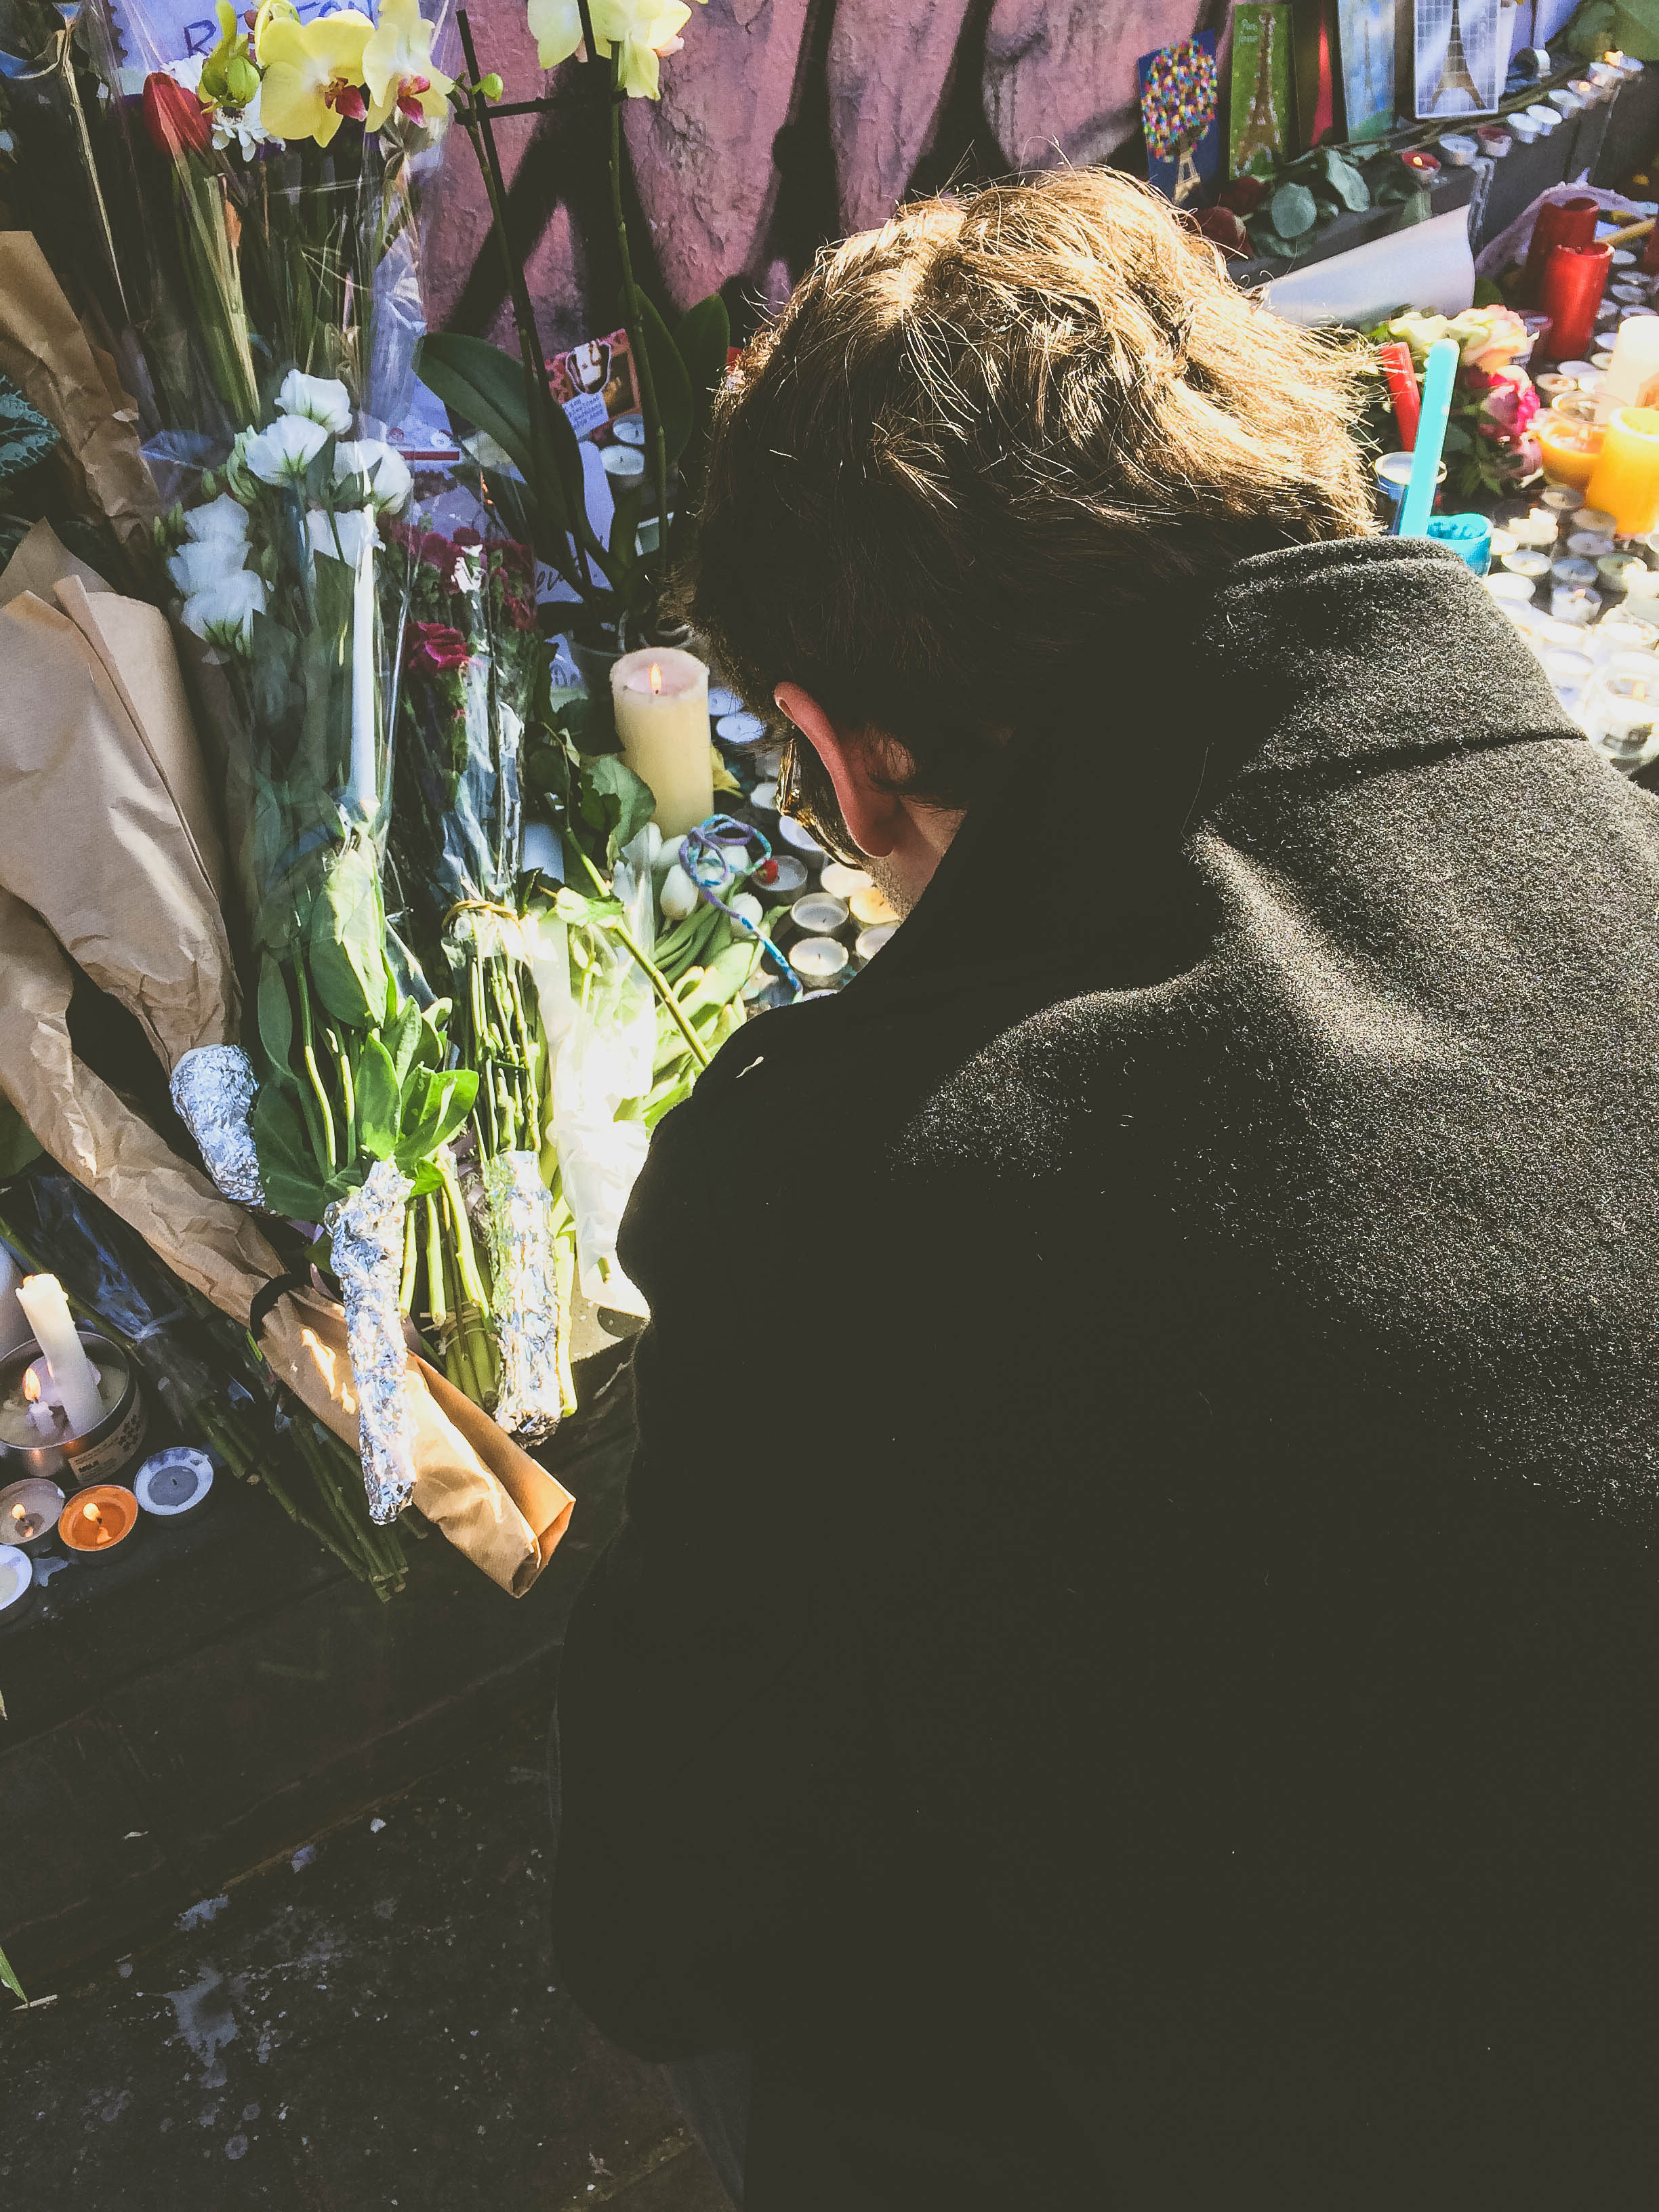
1570 449
1626 482
97 1520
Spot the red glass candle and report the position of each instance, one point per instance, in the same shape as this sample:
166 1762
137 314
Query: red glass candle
1575 278
1560 222
1651 252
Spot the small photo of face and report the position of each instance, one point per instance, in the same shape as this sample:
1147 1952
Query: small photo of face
590 366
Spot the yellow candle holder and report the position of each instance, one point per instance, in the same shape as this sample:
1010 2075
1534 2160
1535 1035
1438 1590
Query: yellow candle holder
1570 448
1626 480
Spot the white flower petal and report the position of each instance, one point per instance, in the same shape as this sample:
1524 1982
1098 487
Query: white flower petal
322 400
387 472
224 611
341 535
282 454
221 521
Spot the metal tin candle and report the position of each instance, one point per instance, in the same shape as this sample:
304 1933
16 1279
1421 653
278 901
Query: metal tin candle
818 961
872 907
1535 565
96 1523
36 1434
1618 570
28 1513
869 942
817 914
1610 636
740 730
175 1483
840 881
19 1594
1572 603
1589 545
781 880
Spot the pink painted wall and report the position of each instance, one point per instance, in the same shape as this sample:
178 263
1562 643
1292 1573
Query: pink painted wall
783 122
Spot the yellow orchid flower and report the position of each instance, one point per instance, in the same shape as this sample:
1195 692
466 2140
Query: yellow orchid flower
556 27
644 30
314 74
397 67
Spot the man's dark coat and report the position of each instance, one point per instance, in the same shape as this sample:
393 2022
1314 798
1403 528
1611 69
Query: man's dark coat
1131 1677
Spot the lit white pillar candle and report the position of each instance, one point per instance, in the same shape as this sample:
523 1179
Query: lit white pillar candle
1635 361
661 699
42 1299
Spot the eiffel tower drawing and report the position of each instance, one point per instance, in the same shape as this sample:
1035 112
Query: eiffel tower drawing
1262 131
1455 73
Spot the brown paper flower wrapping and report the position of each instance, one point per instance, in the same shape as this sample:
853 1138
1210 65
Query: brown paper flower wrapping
65 377
104 831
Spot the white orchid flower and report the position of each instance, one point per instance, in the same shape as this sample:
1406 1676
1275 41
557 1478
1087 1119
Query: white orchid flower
322 400
199 564
221 521
222 612
282 454
385 471
342 535
556 27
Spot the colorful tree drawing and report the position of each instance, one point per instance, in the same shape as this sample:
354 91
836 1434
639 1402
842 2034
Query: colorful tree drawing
1178 105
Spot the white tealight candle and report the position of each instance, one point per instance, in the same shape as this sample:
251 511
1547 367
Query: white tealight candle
42 1299
661 699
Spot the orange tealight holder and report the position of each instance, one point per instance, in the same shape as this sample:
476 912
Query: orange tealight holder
1571 447
99 1522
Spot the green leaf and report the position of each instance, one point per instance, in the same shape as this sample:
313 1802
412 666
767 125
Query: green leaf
287 1171
703 336
275 1015
1293 211
1637 20
378 1101
1415 208
670 375
17 1143
1345 180
462 1089
402 1038
426 1180
486 385
9 1978
348 939
614 803
622 544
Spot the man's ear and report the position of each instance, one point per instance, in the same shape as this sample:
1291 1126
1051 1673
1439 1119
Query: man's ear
873 814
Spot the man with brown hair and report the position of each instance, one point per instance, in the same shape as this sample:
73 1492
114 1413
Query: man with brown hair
1132 1674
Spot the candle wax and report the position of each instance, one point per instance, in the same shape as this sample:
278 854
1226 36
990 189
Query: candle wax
19 1422
42 1299
1626 478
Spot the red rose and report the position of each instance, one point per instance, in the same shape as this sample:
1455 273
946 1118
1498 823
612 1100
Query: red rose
1244 194
437 649
520 612
174 117
1222 228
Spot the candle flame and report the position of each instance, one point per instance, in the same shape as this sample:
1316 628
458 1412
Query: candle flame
17 1511
31 1385
100 1532
90 1512
656 678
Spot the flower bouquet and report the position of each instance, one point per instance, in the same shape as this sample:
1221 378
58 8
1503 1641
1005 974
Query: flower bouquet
1490 448
471 656
277 174
281 570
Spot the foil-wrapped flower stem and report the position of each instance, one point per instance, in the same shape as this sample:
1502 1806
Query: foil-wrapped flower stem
213 1089
524 1273
368 1250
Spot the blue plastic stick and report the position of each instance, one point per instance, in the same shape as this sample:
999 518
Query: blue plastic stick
1443 356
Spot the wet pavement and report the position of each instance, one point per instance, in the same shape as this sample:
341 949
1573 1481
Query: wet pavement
372 2022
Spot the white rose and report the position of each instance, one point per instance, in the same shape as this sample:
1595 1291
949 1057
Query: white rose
282 454
221 521
198 566
224 611
316 399
389 481
342 535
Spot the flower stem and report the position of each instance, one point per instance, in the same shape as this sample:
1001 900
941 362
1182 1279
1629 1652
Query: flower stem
659 981
656 446
308 1051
